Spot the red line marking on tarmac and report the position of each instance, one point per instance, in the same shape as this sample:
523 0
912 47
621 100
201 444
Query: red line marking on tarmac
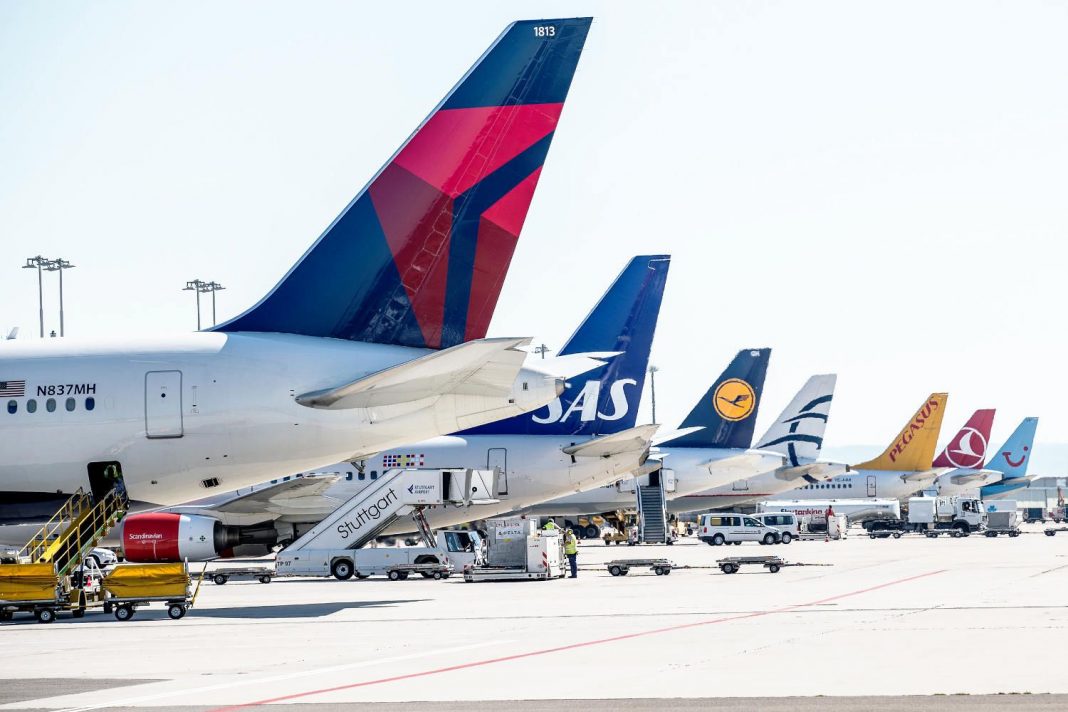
573 646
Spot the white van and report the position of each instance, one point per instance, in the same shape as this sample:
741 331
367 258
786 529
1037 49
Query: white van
785 522
734 528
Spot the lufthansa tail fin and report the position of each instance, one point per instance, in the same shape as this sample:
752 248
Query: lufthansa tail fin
967 449
419 256
1013 457
726 415
604 400
798 433
913 448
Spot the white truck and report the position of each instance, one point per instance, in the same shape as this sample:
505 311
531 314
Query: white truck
956 516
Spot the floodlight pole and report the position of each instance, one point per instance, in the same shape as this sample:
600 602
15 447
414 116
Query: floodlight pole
58 265
37 263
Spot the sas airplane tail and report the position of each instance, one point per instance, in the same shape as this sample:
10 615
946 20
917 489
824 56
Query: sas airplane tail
967 449
726 416
604 400
798 433
913 448
419 256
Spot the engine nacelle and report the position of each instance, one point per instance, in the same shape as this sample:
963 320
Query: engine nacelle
160 537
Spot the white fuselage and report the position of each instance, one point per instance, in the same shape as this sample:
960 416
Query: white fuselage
695 469
231 419
748 490
534 469
866 484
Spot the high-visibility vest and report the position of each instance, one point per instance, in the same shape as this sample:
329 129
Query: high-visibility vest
570 544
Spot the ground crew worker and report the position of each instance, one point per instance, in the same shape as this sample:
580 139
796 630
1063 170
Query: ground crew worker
571 550
550 526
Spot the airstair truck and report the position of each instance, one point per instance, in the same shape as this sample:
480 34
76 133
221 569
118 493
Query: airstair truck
333 546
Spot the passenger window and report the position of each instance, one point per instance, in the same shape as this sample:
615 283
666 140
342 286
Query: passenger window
751 522
362 477
348 476
374 474
90 403
12 406
31 405
50 405
69 405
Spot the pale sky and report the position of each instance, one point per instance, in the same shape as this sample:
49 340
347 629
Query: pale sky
875 189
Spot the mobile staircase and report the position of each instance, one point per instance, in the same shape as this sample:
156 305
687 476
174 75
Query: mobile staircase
334 545
78 526
652 514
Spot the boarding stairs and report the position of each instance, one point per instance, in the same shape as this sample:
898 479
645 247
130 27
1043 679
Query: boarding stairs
652 513
397 493
78 526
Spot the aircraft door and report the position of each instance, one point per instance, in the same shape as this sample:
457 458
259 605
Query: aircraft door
163 404
871 485
740 485
669 479
497 457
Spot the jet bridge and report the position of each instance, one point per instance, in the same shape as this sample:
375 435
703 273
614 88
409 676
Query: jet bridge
363 517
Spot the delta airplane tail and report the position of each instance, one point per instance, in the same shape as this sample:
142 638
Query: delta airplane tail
604 400
419 256
1012 459
798 433
967 449
726 415
913 448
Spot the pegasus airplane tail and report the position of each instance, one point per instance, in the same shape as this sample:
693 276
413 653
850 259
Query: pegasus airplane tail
798 433
913 448
1012 459
419 256
604 400
726 416
967 449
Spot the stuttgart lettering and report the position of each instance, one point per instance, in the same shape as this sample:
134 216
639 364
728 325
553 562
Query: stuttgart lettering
369 513
914 427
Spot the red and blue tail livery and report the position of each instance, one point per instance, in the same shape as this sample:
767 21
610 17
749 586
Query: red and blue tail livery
418 258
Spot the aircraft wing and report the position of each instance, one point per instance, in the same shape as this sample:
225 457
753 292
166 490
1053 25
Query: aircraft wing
819 470
485 367
629 440
281 498
973 476
924 475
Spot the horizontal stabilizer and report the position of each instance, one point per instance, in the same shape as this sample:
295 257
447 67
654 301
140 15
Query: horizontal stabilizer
967 478
924 475
630 440
663 436
485 367
815 470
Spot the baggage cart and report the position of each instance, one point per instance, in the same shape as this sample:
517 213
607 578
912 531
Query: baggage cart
731 564
134 586
621 567
259 573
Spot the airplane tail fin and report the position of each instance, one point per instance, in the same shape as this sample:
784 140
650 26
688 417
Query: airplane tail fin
419 256
967 449
605 400
1013 457
798 433
726 415
913 448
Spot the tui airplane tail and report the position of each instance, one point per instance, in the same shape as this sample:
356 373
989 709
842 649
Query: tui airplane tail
604 400
726 415
1013 457
419 256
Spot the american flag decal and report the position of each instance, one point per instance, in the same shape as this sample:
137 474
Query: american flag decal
12 389
406 460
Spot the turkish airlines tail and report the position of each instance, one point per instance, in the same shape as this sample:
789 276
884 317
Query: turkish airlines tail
913 448
419 256
967 449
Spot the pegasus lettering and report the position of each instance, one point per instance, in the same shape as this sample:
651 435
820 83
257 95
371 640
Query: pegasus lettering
915 426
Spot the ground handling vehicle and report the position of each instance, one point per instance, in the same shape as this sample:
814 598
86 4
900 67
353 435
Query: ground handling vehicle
956 516
731 564
735 528
252 573
40 590
517 550
1002 522
134 586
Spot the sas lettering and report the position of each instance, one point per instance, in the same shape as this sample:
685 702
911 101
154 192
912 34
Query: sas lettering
67 389
585 404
